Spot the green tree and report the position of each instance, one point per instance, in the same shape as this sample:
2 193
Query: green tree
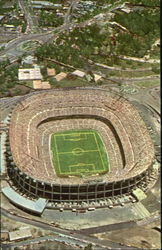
88 247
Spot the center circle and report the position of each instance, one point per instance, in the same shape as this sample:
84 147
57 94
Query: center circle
77 151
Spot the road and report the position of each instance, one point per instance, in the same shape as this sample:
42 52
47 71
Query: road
136 79
10 48
39 240
32 26
32 22
107 228
6 106
105 244
67 17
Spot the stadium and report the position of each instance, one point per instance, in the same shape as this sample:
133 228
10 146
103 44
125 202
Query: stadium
77 145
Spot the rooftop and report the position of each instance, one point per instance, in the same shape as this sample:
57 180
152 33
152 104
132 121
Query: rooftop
78 73
29 74
51 72
60 76
22 233
38 84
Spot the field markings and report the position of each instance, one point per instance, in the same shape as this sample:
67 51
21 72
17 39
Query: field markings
86 133
106 152
79 135
99 150
77 166
46 168
59 157
51 152
57 154
71 152
84 151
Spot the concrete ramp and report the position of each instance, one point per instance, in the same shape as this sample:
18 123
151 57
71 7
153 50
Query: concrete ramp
36 206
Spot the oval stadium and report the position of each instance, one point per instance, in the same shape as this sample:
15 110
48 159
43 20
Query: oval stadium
78 145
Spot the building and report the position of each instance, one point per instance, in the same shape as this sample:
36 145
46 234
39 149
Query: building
22 233
29 74
78 73
97 77
46 85
60 76
51 72
38 84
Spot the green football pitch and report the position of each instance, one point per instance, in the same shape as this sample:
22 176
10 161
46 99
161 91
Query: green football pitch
78 152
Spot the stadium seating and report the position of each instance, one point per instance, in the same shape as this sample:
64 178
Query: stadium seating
120 126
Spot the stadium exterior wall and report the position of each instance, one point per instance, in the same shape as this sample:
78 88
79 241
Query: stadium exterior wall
92 190
83 192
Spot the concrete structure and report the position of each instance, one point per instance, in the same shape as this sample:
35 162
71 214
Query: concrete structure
60 76
45 3
3 164
29 74
22 233
127 141
36 206
139 194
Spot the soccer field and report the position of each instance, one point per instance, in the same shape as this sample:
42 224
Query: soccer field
78 152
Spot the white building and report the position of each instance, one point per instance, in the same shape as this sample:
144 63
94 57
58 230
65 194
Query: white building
29 74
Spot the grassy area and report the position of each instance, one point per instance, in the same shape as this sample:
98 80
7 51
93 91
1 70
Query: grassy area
78 152
28 45
73 83
130 74
4 11
27 83
147 84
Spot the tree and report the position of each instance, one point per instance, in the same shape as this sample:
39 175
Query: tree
88 247
156 69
